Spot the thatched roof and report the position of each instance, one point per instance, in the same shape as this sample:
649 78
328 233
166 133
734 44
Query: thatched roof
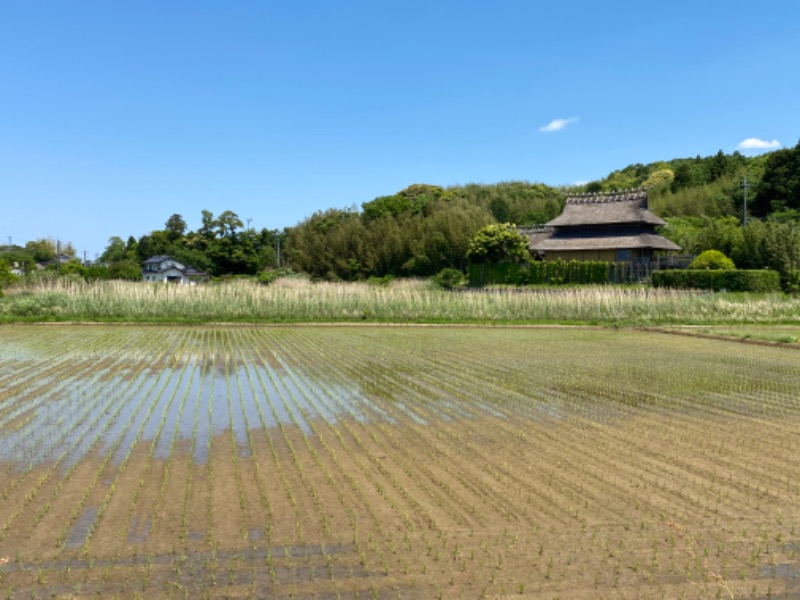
552 242
606 209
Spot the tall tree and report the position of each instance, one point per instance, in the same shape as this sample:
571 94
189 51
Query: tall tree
779 189
175 227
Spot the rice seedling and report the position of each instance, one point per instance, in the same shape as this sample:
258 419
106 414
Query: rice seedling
386 459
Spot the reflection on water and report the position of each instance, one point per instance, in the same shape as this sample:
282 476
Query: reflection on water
68 392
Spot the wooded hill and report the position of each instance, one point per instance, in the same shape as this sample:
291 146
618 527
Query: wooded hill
425 228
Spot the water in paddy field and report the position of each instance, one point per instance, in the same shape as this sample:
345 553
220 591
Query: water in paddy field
191 401
64 398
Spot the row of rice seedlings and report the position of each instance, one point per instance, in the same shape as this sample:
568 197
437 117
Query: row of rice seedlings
287 441
27 383
246 397
297 413
211 539
341 376
193 451
378 546
674 433
397 385
366 546
294 388
169 455
260 387
33 444
387 454
66 461
632 386
237 429
415 443
126 518
120 449
507 427
34 403
693 475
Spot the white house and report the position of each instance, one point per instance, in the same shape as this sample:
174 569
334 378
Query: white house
168 270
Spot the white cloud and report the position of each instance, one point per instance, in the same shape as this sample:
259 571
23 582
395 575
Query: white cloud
758 144
558 124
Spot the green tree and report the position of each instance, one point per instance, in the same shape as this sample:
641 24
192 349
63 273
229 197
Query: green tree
125 269
115 250
660 178
779 189
6 276
175 227
42 249
682 177
498 243
713 260
227 223
782 248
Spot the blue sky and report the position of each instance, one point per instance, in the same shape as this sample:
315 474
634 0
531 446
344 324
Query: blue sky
116 115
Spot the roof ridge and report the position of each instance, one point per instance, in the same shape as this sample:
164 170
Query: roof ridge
606 197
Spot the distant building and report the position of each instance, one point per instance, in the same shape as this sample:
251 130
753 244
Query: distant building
60 259
615 227
18 268
168 270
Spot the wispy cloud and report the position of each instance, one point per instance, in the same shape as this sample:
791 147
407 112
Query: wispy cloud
558 124
758 144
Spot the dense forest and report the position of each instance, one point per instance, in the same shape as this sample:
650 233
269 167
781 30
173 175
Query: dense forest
746 207
424 228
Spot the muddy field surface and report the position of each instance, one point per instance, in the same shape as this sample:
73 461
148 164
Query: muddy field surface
292 462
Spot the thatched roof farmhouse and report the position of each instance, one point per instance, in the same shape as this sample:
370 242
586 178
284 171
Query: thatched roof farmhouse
613 227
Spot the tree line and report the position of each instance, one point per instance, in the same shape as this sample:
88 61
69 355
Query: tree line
423 229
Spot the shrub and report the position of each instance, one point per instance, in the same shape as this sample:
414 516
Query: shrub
730 280
268 276
449 278
792 282
712 260
380 281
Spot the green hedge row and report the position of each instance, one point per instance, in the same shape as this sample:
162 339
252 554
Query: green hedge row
552 272
730 280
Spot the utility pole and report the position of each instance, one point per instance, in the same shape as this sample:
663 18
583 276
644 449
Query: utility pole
745 185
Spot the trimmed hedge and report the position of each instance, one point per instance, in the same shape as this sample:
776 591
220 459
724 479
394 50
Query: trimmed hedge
538 272
729 280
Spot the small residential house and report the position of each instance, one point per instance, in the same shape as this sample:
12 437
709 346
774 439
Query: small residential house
610 227
18 268
169 270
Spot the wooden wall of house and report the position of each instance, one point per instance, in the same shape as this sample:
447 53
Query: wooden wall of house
602 255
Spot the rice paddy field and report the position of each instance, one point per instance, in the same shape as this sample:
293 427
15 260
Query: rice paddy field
396 462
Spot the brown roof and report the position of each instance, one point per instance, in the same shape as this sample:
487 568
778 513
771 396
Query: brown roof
550 243
606 209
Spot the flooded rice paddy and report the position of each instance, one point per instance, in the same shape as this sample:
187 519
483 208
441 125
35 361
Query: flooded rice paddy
407 462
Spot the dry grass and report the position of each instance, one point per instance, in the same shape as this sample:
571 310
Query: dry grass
296 300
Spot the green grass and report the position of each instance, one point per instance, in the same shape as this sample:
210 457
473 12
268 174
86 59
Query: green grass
293 301
773 334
